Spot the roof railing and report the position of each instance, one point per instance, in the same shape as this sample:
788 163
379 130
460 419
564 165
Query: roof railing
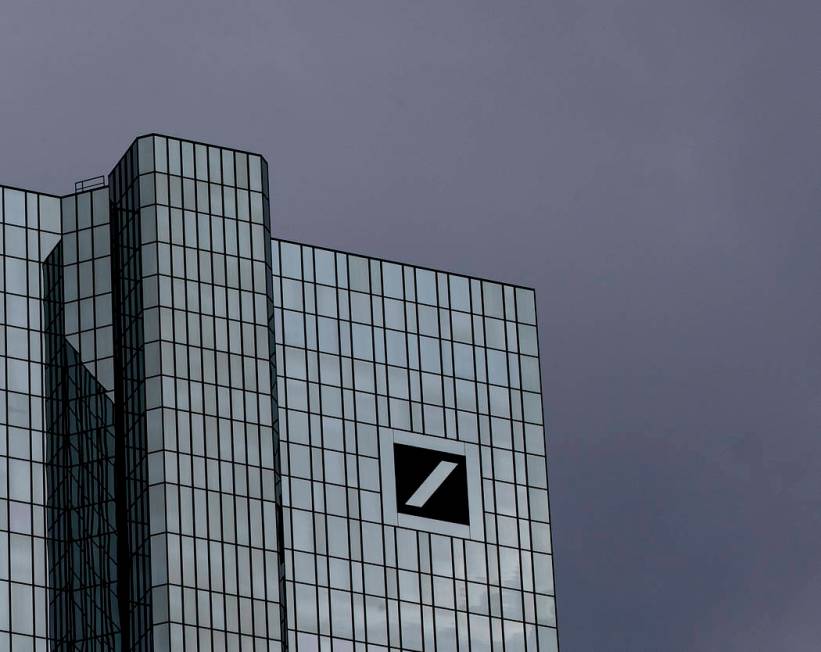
88 184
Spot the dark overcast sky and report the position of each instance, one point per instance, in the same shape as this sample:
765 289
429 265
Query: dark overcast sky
652 168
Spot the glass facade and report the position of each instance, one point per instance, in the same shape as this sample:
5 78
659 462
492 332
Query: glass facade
211 439
190 228
31 227
79 418
380 364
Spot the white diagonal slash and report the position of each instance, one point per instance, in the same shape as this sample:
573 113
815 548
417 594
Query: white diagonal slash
431 484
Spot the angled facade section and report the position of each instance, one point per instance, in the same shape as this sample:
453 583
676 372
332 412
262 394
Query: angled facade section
81 440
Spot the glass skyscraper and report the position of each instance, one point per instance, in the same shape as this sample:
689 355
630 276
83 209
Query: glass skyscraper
211 439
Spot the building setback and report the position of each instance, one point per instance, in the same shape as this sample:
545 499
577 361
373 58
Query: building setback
211 439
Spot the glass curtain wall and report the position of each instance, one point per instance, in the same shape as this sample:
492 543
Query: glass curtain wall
370 353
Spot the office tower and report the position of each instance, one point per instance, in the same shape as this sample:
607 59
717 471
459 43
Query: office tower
412 452
218 440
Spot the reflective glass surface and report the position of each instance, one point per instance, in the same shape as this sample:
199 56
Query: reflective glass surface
29 229
215 440
367 349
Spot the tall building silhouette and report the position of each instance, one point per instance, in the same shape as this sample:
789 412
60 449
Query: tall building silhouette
212 439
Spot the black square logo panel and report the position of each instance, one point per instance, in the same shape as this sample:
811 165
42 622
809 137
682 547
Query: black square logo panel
431 484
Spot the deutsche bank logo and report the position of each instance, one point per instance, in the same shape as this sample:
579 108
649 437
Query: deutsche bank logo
431 484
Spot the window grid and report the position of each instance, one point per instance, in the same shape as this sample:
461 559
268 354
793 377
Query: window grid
208 389
29 228
192 419
518 612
